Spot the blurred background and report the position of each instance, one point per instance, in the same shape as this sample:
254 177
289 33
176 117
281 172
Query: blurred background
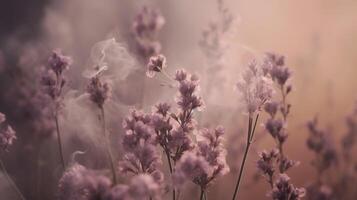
317 37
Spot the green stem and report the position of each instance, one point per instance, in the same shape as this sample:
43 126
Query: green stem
251 131
60 149
108 148
11 181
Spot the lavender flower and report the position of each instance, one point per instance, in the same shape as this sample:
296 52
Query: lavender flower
255 88
144 186
319 142
266 164
192 167
7 134
145 28
118 192
53 80
156 64
98 90
207 163
283 190
139 144
2 117
79 183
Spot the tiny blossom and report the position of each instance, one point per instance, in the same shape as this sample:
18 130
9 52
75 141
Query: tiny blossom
255 88
266 162
162 108
145 28
276 129
286 164
283 190
7 134
271 108
79 183
52 79
275 65
156 64
98 90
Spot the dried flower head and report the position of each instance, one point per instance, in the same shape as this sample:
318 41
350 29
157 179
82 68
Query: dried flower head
145 28
284 190
98 91
156 64
139 142
7 134
143 187
255 88
79 183
52 79
206 162
266 162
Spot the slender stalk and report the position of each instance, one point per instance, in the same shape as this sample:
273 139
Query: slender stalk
202 194
60 149
11 181
171 171
250 135
108 148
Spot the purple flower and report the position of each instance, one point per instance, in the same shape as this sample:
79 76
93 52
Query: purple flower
118 192
192 167
52 79
79 183
283 190
98 91
143 187
7 134
58 62
206 162
156 64
266 162
275 66
271 108
145 28
2 117
255 88
139 142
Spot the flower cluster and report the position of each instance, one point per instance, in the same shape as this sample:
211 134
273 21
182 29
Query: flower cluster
139 142
145 28
284 190
320 143
255 88
206 162
213 42
80 183
156 64
349 140
52 79
274 164
7 134
98 91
